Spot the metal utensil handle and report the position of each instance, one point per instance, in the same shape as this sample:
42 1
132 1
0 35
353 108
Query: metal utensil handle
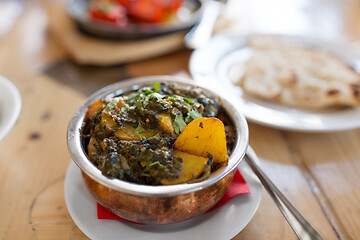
202 32
298 223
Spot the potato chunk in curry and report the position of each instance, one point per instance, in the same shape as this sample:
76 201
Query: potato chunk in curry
204 137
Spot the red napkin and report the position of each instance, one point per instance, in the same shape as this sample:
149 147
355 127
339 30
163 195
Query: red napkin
237 186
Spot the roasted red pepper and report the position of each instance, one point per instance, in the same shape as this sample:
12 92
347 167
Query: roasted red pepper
146 11
142 11
109 11
152 11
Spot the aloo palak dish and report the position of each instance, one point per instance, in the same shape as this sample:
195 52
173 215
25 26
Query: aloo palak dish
160 135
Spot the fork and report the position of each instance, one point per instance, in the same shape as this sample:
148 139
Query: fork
302 228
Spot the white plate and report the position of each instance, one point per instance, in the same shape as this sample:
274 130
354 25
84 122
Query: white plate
10 105
221 62
222 223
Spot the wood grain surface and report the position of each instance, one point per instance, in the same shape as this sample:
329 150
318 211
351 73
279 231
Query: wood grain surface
318 172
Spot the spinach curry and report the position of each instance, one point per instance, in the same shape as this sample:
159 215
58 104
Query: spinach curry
130 137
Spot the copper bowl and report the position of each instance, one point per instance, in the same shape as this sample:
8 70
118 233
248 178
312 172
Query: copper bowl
156 204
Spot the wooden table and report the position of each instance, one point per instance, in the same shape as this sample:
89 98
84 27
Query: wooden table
318 172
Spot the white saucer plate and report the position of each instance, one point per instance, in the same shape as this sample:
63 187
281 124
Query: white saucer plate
222 223
10 105
221 63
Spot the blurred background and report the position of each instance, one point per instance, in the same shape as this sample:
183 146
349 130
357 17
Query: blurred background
48 31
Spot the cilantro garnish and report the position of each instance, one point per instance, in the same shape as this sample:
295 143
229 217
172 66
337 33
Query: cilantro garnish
126 108
188 100
155 136
148 91
156 96
172 98
157 86
149 165
140 104
141 99
179 123
112 103
133 98
156 163
192 115
139 130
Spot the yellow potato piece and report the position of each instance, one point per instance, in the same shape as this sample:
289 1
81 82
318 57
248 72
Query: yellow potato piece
204 137
128 133
192 167
93 108
91 146
166 123
108 122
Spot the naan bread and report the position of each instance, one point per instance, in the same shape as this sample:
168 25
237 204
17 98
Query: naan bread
298 76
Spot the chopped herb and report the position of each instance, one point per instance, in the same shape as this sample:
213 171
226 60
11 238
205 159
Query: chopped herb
147 168
126 108
155 136
157 86
139 130
139 103
113 102
133 98
141 137
155 95
179 123
149 165
157 162
192 115
148 91
188 100
172 98
142 102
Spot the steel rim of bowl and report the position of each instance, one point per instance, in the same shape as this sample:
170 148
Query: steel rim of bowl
79 157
